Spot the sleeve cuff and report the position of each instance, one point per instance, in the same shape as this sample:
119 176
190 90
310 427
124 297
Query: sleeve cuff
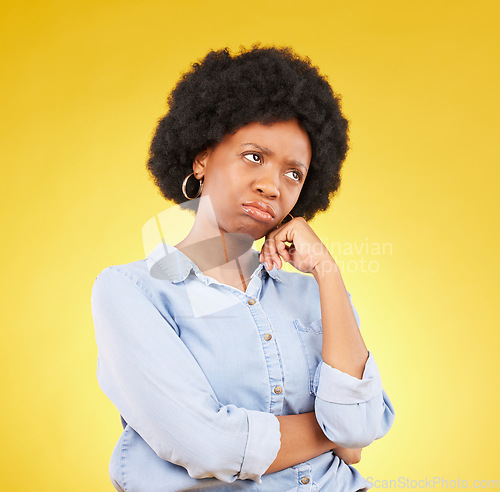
263 444
335 386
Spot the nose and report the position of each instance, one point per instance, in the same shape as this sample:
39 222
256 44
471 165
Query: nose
267 184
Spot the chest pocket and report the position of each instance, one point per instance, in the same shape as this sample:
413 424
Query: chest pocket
311 340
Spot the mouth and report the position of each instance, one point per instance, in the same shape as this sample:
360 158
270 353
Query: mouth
259 211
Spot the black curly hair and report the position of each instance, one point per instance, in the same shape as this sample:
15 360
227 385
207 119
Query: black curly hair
223 93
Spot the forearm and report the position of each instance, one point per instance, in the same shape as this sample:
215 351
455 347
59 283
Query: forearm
343 345
301 439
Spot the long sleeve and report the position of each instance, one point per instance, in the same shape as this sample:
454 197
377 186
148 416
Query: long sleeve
160 390
352 412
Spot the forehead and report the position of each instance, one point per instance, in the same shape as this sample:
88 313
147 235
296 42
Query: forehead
286 138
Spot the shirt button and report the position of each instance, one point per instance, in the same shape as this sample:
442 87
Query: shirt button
267 337
278 390
251 302
304 481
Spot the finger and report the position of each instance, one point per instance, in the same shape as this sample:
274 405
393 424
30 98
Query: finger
265 256
273 254
282 250
286 235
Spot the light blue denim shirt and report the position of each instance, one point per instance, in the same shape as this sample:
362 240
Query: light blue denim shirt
199 370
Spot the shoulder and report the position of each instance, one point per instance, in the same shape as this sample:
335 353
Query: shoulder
126 276
155 276
138 272
134 270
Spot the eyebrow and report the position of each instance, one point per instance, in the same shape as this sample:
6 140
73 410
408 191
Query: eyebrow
269 152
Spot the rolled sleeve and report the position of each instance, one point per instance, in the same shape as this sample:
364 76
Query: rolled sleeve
352 412
264 442
156 384
335 386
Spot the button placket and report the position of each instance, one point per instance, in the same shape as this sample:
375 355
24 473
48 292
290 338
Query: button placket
271 352
304 477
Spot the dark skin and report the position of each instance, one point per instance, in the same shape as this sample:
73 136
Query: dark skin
266 163
235 172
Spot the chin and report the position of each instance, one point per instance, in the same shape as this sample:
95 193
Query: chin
250 227
260 234
254 232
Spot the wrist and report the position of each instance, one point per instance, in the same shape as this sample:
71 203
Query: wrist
325 267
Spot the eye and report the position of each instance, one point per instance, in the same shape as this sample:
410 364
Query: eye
252 155
298 175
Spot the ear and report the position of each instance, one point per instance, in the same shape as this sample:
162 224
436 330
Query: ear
200 163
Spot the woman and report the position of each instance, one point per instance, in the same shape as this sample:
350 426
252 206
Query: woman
230 373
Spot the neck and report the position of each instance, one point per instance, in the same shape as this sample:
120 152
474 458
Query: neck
213 249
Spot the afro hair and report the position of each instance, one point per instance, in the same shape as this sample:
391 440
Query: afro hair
223 93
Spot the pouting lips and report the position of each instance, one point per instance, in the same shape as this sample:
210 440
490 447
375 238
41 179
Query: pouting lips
257 213
262 206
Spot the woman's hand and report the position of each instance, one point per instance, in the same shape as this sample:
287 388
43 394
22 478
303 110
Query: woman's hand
348 456
305 252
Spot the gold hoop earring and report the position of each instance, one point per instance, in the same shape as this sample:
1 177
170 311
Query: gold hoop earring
184 184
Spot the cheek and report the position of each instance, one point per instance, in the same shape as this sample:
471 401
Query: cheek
226 172
216 181
292 197
224 190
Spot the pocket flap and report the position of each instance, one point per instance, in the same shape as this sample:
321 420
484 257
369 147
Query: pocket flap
315 326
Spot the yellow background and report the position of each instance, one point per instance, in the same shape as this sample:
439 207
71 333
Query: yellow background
83 85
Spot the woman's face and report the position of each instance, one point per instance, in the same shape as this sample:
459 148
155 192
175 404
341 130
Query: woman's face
258 166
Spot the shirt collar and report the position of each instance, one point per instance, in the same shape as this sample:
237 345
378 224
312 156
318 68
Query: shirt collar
166 261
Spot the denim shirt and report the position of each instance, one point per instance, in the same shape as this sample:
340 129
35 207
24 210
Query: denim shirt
199 370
